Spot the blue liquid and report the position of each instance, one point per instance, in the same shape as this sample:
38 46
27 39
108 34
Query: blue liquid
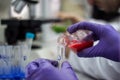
15 74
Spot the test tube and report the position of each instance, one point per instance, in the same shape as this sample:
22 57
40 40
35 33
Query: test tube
9 56
25 57
3 61
17 61
61 54
29 39
61 48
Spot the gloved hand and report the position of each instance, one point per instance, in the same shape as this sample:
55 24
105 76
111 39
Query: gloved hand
109 40
42 69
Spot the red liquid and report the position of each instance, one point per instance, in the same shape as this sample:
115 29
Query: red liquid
78 46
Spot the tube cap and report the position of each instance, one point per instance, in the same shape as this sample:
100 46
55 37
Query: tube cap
30 35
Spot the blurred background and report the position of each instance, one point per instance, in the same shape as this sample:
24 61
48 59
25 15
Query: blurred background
44 18
47 20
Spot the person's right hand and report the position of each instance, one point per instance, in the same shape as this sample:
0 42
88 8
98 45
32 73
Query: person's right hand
109 40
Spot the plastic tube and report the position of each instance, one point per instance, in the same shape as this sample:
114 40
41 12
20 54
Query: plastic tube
61 48
29 39
9 56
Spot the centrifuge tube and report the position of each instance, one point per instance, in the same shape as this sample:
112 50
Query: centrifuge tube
61 48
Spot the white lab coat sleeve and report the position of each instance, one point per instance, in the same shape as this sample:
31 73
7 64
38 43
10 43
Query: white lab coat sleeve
116 24
95 68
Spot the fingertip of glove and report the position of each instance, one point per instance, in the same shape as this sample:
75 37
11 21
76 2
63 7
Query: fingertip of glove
69 29
75 26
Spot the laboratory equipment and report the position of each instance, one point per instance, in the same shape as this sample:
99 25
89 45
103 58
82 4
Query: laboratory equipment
29 39
77 41
20 4
13 60
17 29
80 40
61 48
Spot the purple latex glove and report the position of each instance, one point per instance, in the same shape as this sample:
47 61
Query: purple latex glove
42 69
109 40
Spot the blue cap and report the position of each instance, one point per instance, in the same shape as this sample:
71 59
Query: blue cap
30 35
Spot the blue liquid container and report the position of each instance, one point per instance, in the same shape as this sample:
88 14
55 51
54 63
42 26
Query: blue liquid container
13 61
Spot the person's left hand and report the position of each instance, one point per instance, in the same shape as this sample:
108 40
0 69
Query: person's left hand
43 69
